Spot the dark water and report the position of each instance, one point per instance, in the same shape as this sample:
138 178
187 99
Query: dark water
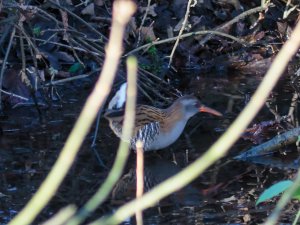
224 194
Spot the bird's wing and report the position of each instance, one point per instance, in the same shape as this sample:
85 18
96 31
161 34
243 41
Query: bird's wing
147 122
147 125
147 117
115 115
146 134
144 115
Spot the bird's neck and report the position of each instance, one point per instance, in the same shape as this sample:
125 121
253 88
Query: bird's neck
173 115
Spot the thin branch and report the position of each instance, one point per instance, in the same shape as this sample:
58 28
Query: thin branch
236 19
123 10
185 36
123 150
14 95
142 23
214 32
139 178
187 13
68 47
219 148
61 81
80 19
4 62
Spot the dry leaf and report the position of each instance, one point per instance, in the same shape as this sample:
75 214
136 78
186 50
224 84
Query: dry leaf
151 10
89 10
148 33
99 2
247 218
229 199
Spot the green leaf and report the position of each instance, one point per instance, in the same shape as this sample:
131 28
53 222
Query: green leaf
75 67
274 190
152 51
298 141
37 30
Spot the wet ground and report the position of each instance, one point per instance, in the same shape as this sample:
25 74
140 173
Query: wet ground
225 194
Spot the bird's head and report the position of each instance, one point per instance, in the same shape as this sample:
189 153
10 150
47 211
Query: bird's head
191 106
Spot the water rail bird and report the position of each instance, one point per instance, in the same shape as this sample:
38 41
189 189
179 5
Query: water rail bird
159 128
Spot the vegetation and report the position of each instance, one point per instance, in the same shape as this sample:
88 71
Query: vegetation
51 54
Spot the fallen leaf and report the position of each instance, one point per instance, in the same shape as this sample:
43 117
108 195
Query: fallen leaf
148 33
99 2
89 10
151 10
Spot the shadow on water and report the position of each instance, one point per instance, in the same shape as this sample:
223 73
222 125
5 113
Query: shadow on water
224 194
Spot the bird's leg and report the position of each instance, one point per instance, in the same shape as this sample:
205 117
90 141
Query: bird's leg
173 156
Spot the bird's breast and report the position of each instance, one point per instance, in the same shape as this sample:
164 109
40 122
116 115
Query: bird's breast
168 137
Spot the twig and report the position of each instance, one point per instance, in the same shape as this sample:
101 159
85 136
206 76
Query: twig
74 51
93 145
145 93
37 51
139 178
236 19
80 19
38 78
293 108
123 150
101 18
220 148
64 18
144 74
273 111
184 36
124 10
190 146
288 11
187 13
14 95
83 42
142 23
41 11
270 146
151 89
24 76
6 31
71 78
215 32
68 47
4 62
